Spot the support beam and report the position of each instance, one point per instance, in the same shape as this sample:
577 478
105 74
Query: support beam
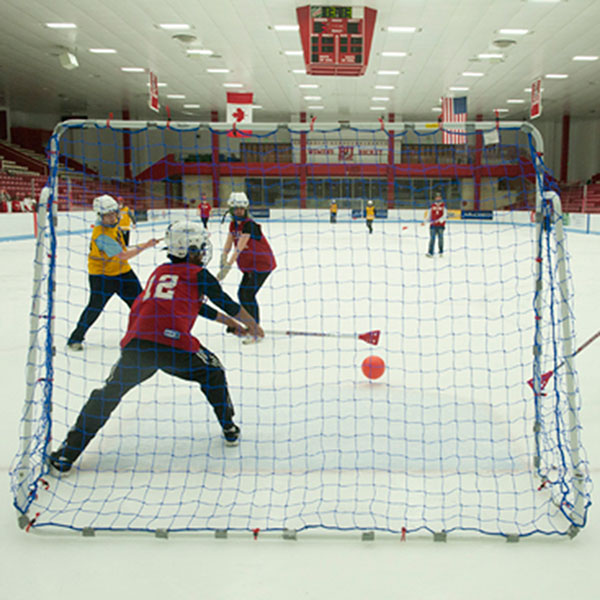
302 167
564 148
214 141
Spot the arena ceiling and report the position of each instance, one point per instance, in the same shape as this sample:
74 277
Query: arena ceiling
450 36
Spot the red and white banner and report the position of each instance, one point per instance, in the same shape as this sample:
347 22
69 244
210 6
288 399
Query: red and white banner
153 101
454 114
239 110
536 99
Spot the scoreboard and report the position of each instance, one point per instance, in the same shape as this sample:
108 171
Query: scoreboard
336 40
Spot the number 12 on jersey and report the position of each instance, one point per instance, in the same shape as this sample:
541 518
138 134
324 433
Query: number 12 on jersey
165 287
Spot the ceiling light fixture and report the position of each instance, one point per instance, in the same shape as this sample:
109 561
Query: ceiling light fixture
589 58
377 108
175 26
316 107
472 74
501 110
217 70
133 69
394 54
436 109
176 96
515 101
388 72
299 71
159 84
308 85
458 88
313 98
293 52
191 106
394 29
384 87
103 51
380 99
286 27
61 25
233 85
202 51
513 31
556 76
485 55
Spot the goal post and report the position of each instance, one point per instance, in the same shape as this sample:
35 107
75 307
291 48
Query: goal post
452 437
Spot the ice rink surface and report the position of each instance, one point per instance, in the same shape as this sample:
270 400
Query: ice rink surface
436 316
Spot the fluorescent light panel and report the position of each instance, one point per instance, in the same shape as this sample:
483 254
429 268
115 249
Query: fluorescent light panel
293 52
133 69
377 108
500 110
159 84
175 26
380 99
388 72
199 51
490 55
384 87
176 96
556 76
313 98
233 85
316 107
103 51
472 74
395 29
394 54
217 70
308 85
515 101
61 25
513 31
458 88
191 106
286 27
299 71
588 58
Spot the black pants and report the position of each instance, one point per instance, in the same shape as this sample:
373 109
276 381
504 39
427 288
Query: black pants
370 225
205 222
332 217
102 288
126 233
249 286
139 360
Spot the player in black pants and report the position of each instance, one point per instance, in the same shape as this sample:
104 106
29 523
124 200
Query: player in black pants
159 337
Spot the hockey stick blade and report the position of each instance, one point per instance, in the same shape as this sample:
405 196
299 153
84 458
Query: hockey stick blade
372 337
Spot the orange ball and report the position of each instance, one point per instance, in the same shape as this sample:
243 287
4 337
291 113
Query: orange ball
373 367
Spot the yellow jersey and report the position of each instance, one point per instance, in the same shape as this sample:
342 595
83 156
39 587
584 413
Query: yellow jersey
333 208
125 219
370 211
106 244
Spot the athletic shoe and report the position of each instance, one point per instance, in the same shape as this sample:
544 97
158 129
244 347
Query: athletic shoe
58 466
249 339
429 255
76 346
232 435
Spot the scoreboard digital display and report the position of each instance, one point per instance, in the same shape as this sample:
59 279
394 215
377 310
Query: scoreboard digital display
336 40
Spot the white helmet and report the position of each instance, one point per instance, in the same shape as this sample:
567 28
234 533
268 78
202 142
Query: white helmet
105 204
183 237
238 200
369 202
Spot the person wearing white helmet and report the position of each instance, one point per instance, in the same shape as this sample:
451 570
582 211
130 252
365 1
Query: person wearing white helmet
370 215
159 337
108 267
251 251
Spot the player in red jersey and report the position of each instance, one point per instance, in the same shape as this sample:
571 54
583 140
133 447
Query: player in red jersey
204 209
436 216
252 252
159 337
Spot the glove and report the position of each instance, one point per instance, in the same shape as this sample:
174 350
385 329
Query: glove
223 272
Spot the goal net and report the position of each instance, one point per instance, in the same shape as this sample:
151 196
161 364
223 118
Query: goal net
465 430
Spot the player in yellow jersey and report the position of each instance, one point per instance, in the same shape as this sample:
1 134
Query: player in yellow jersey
126 219
333 210
109 271
370 215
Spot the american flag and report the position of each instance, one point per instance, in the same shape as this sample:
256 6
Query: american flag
454 112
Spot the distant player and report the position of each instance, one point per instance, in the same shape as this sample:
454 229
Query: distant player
109 271
333 210
436 217
204 209
158 338
228 211
370 215
126 219
252 252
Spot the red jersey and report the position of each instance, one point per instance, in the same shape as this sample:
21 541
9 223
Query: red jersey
257 255
204 209
166 310
437 211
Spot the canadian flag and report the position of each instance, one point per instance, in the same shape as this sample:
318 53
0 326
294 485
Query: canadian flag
239 110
